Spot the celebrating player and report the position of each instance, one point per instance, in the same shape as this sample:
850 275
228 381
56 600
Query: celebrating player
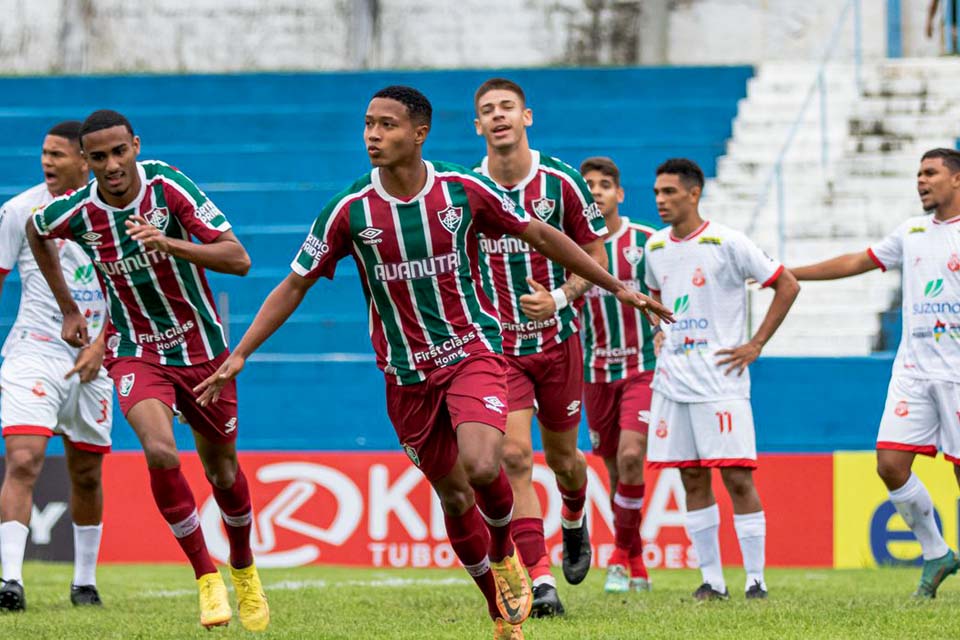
412 227
923 399
543 354
700 414
136 221
50 387
618 364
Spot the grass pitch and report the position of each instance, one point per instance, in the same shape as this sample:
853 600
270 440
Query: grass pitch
159 601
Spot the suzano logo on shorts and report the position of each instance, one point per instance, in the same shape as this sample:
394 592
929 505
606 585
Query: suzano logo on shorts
126 384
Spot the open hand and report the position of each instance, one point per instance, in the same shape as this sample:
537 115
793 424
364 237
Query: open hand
739 357
538 305
142 231
647 305
210 388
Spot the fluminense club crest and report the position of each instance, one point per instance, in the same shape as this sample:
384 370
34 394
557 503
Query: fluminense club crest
633 255
158 217
544 207
450 218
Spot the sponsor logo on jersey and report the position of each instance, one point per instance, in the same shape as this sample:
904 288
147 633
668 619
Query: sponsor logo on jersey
592 212
953 264
494 404
429 267
933 288
371 235
315 247
694 344
450 218
207 212
158 217
544 207
508 205
503 244
661 429
83 274
938 330
710 240
633 255
901 409
92 238
655 246
615 353
573 408
168 338
132 263
698 278
411 453
126 384
38 389
445 352
917 230
681 304
231 425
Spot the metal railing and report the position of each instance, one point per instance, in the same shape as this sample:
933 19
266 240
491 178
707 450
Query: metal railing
818 88
951 34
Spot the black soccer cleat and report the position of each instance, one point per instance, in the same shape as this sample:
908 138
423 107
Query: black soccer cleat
756 591
11 596
546 602
576 553
706 593
85 595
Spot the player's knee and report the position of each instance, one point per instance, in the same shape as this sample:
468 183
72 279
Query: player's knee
739 482
481 472
160 455
630 459
456 502
223 476
696 481
894 475
23 465
562 463
86 480
517 459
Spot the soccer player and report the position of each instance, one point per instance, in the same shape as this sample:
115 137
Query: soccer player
618 363
136 221
412 227
50 387
923 398
700 414
539 324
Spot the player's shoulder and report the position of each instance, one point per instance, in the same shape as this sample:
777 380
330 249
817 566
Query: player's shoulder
646 230
553 164
27 201
357 189
159 169
450 171
915 225
68 202
657 241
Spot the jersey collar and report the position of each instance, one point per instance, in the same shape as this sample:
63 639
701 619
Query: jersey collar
378 185
693 235
624 227
134 204
948 221
534 168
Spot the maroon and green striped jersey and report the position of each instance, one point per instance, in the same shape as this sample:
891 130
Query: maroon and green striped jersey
161 307
556 193
617 341
419 264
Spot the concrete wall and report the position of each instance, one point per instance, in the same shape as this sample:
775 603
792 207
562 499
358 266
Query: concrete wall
107 36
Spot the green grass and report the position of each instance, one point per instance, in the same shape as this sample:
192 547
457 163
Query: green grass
158 601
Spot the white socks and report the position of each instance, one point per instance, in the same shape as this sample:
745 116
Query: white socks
914 505
703 529
86 548
13 542
752 534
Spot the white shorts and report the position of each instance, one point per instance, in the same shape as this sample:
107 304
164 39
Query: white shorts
921 416
37 400
701 434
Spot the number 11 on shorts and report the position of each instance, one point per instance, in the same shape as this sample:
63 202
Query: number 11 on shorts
726 421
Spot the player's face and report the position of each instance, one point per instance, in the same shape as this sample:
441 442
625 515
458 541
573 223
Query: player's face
63 165
390 135
675 202
936 184
605 192
112 156
502 118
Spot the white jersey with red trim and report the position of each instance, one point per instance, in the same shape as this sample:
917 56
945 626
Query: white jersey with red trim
928 254
38 325
702 279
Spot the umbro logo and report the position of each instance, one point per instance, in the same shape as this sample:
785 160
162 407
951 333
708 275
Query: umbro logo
91 238
231 425
573 408
494 404
371 235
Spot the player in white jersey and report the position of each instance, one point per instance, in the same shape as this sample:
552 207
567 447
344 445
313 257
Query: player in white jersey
922 412
700 415
50 387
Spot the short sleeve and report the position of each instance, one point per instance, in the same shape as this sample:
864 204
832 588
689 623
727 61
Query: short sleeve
754 262
53 221
494 213
582 219
191 206
12 235
650 275
888 253
326 244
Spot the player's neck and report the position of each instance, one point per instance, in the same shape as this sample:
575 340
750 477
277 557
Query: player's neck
947 213
124 200
683 229
509 166
613 222
404 181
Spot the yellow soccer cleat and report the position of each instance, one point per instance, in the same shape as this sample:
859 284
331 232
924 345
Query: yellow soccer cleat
503 630
514 598
251 600
214 605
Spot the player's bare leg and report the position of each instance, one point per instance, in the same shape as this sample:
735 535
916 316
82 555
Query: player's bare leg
627 501
86 509
702 522
750 523
152 421
24 460
569 465
913 503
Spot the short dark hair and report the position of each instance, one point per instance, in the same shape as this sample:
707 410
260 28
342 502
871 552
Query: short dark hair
69 129
950 157
604 165
103 119
690 173
418 107
498 83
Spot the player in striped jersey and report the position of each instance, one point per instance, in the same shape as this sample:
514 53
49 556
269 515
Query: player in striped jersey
618 369
136 221
412 228
539 323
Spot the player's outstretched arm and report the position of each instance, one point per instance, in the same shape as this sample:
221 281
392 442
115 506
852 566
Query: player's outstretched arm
785 290
543 303
279 305
224 255
850 264
557 247
74 330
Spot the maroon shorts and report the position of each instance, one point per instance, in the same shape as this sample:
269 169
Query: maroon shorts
426 415
612 406
551 381
138 380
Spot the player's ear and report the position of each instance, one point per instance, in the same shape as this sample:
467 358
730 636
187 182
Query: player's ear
420 133
527 117
620 195
476 125
136 145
